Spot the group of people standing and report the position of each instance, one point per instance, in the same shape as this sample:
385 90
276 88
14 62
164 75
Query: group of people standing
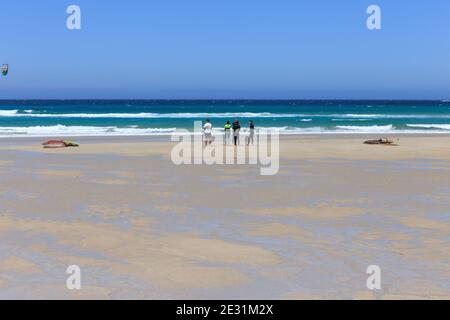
230 130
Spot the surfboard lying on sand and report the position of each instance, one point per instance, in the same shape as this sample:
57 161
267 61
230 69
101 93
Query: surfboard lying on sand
59 144
380 141
54 144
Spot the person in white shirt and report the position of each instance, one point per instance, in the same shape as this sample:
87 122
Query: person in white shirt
207 131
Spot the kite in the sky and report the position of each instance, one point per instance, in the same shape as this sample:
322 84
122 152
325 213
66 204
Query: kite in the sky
5 69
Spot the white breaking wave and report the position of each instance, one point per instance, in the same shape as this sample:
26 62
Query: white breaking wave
430 126
86 131
65 131
368 129
392 116
15 113
353 119
8 113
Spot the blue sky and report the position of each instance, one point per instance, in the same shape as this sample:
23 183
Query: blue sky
226 49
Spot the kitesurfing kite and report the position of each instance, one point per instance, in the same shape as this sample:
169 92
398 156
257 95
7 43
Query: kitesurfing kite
4 69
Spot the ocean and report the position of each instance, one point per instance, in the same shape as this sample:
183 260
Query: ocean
60 118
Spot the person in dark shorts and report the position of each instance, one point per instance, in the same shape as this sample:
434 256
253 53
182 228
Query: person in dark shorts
236 128
251 135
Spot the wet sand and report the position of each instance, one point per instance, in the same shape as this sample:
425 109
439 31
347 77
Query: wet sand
141 227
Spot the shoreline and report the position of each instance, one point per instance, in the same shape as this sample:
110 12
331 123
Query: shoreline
166 137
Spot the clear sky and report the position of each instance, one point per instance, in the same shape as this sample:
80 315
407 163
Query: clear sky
226 49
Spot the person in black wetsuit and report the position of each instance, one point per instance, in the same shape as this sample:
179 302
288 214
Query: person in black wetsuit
251 127
236 128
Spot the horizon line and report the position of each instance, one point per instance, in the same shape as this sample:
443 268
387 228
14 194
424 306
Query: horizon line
212 99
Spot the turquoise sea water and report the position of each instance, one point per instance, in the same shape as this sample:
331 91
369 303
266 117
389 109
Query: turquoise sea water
153 117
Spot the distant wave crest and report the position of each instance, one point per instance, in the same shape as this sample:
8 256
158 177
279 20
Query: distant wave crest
181 115
8 113
203 115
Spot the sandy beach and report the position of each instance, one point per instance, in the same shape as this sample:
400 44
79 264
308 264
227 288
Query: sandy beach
141 227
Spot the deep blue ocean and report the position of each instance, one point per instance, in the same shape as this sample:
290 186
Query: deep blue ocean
156 117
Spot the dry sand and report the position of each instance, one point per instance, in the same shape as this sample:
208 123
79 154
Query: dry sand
140 227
